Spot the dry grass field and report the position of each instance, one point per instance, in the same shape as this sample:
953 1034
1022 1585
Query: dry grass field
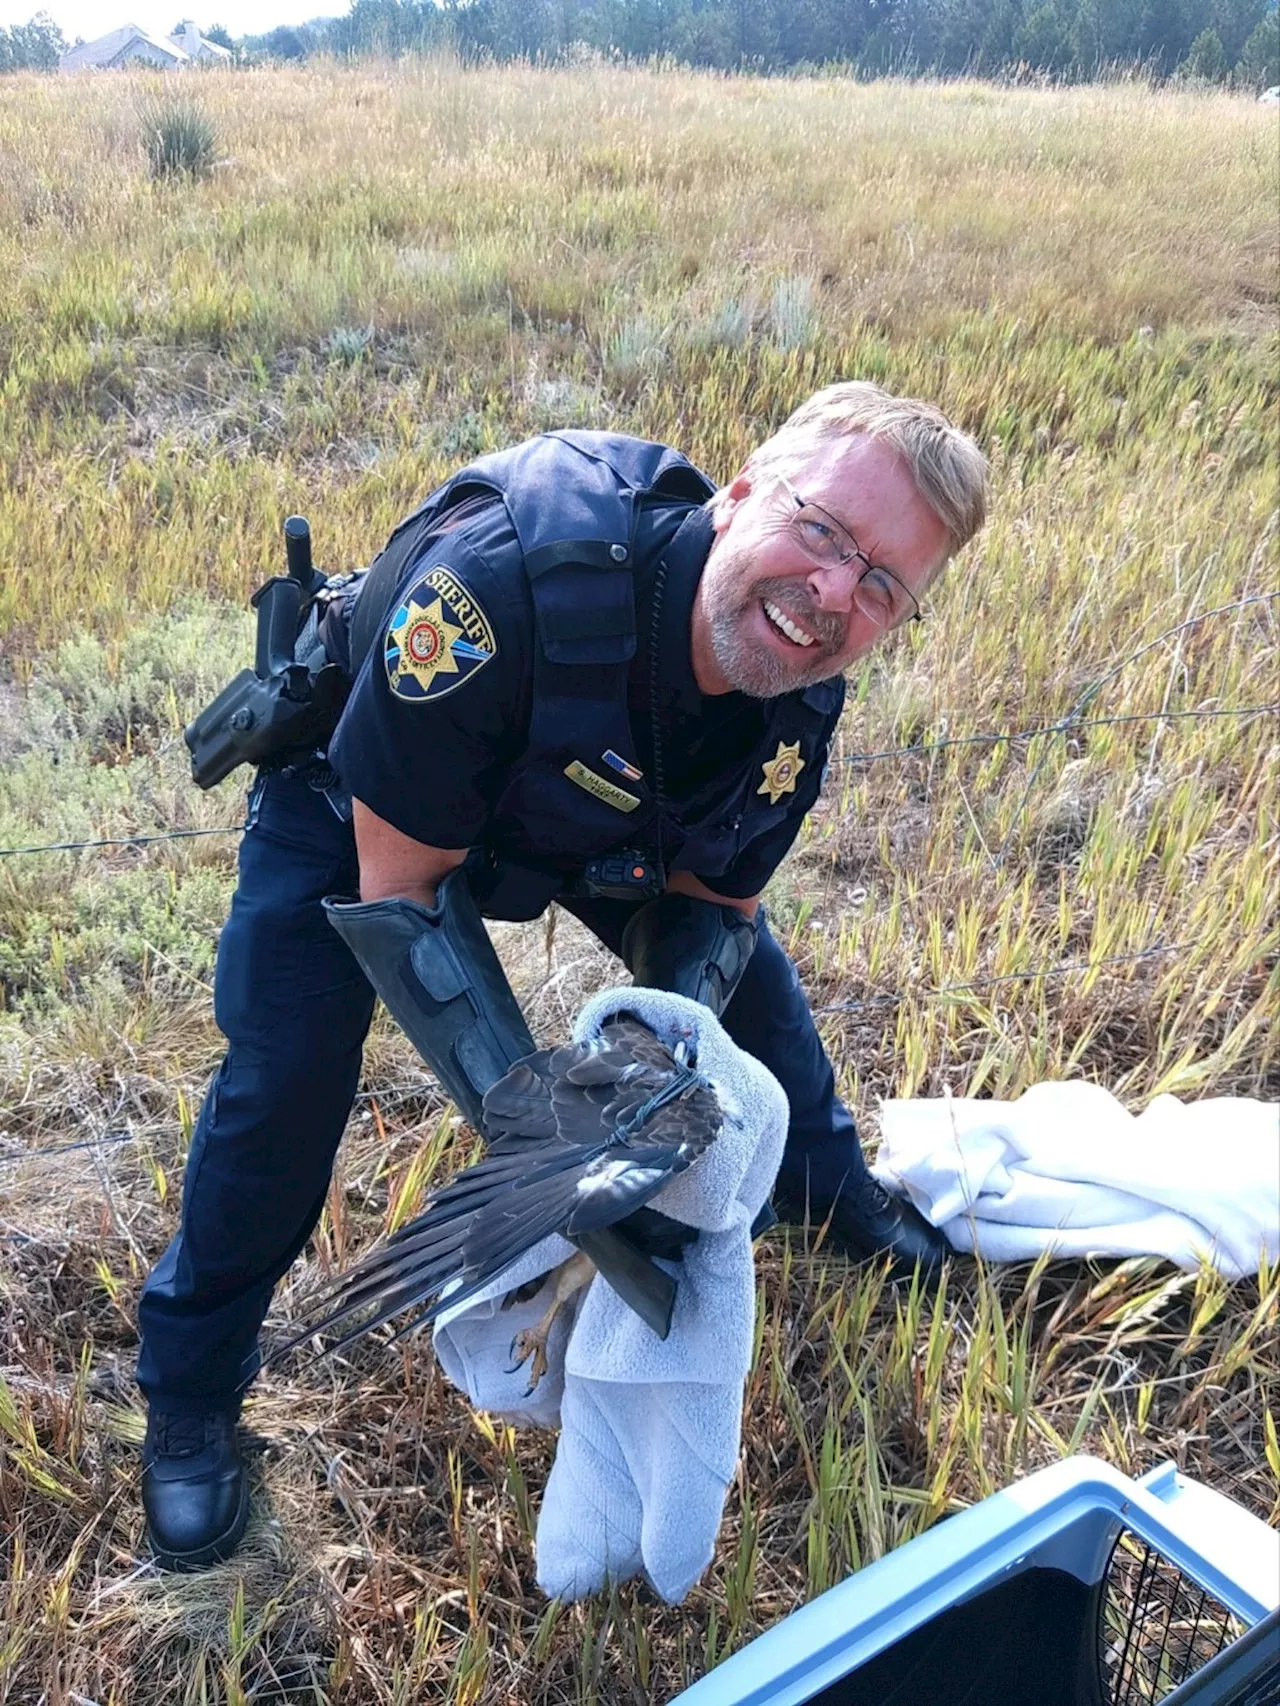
389 270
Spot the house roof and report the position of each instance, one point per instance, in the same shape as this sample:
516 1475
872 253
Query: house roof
198 46
107 49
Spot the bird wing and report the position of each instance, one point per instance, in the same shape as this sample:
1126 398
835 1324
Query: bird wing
580 1137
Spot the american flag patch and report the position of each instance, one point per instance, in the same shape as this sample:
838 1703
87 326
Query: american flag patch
621 766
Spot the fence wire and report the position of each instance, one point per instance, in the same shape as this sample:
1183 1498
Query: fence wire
988 737
994 737
144 840
1072 720
67 1148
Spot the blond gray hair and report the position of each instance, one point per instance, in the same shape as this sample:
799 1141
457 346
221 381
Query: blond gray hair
949 470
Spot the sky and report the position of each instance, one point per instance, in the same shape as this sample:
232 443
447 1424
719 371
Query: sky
93 18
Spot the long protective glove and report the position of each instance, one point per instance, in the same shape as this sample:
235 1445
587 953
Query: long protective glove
437 972
688 946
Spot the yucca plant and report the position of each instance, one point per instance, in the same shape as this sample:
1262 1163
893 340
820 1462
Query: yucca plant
178 137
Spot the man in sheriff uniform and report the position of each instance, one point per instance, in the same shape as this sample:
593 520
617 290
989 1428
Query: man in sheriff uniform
579 673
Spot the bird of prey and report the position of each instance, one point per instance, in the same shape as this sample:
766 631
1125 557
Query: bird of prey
580 1137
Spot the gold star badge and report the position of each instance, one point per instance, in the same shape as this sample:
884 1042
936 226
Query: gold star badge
425 640
781 772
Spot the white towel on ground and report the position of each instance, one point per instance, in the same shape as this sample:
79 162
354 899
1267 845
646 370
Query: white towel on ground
649 1428
1066 1168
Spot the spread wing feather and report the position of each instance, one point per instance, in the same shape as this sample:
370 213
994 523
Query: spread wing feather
574 1146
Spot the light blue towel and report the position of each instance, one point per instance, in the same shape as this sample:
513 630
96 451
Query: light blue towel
649 1428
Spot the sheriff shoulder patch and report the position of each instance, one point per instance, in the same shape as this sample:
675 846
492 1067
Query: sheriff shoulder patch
438 638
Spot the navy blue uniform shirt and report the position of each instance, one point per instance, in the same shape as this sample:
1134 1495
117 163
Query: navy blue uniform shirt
435 770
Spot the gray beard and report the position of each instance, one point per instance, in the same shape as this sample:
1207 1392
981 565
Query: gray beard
750 669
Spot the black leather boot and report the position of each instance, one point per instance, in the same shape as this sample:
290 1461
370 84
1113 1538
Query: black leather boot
865 1221
194 1489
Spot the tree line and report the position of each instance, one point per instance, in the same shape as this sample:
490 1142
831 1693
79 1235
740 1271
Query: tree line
1236 41
1216 40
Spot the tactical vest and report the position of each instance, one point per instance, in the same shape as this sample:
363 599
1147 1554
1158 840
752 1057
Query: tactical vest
573 498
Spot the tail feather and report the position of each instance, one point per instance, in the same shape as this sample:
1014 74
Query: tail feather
367 1282
410 1281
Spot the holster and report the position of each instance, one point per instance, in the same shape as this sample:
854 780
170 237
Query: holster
293 696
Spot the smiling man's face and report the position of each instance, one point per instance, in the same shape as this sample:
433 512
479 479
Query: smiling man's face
767 618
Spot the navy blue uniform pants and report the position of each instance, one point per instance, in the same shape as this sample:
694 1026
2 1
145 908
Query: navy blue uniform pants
294 1007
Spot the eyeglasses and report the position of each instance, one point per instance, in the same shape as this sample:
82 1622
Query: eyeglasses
878 593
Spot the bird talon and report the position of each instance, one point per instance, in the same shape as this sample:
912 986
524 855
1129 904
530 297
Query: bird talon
530 1343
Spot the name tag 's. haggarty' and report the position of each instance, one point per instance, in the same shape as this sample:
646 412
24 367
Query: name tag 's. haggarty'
609 792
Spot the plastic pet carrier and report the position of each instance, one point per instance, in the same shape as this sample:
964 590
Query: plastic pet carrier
1075 1587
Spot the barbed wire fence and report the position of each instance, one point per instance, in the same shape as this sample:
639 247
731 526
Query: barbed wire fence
985 737
1073 716
988 737
146 840
1067 725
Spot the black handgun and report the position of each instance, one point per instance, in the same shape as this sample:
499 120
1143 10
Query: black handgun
280 703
